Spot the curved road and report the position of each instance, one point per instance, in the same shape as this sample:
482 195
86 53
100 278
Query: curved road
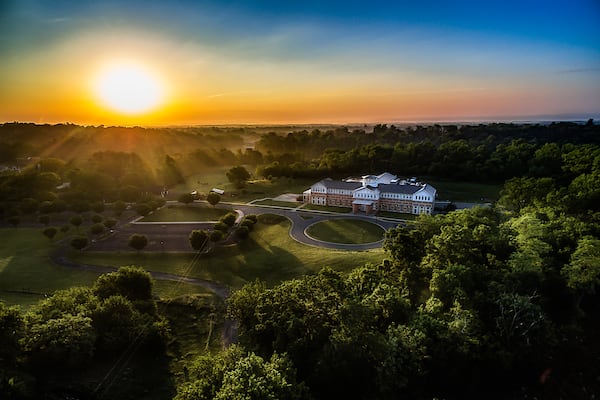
302 219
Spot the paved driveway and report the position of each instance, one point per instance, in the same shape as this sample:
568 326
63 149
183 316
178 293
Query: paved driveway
173 236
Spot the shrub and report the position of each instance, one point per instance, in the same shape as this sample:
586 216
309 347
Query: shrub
119 207
142 209
97 206
29 205
229 219
242 232
220 226
198 239
252 217
137 241
110 222
97 229
50 232
216 236
79 242
76 220
97 218
213 198
14 220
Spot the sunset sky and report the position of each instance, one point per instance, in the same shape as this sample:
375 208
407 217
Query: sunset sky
262 62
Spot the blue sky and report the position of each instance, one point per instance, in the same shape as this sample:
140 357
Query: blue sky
526 50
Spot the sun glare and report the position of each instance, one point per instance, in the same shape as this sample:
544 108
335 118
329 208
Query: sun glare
129 89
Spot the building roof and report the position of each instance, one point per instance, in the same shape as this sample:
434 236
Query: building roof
398 188
331 184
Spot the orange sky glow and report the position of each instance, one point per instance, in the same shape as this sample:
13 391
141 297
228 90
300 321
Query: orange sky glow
301 72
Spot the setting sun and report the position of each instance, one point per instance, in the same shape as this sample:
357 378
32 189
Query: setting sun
129 89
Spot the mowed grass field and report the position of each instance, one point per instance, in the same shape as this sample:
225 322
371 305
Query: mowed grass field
466 191
27 274
253 190
347 231
181 213
269 254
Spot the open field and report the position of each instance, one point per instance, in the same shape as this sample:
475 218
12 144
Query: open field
277 203
466 191
27 274
253 190
347 231
181 213
269 254
25 267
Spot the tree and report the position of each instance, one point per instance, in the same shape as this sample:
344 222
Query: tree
97 218
186 198
253 378
97 229
11 332
14 220
133 283
228 219
116 321
118 207
76 221
79 242
238 176
143 209
233 375
242 232
198 239
137 241
64 342
213 198
98 206
44 219
50 232
110 222
29 205
216 236
220 226
583 272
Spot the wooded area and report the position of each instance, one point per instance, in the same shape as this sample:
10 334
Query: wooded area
498 302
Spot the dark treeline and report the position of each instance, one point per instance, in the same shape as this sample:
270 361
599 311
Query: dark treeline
493 152
490 152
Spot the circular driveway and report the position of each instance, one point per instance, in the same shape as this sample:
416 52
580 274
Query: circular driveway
173 236
302 219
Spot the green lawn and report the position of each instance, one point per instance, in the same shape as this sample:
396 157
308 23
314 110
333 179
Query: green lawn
466 191
278 203
340 210
177 213
268 254
347 231
389 214
27 274
254 189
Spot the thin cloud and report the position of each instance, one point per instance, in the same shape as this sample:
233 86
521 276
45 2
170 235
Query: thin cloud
579 70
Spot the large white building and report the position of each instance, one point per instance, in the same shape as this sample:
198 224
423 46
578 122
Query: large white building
373 193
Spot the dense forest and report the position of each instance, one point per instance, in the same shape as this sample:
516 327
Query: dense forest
498 302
